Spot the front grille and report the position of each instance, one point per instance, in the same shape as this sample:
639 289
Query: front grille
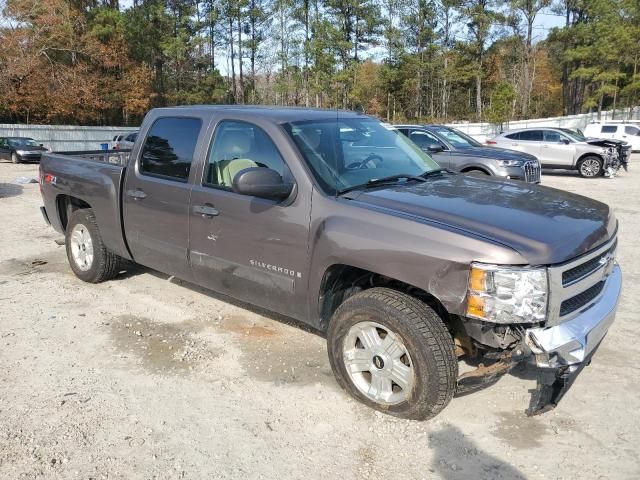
588 267
577 283
574 303
531 172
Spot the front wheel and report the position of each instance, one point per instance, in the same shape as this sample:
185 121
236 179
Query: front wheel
590 167
88 257
393 353
15 158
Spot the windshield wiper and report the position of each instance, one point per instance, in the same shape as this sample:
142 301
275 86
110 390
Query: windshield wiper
391 179
433 173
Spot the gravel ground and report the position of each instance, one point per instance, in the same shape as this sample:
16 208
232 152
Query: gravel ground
149 377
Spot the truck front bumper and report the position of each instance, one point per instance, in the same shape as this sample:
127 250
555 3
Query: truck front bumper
572 342
560 352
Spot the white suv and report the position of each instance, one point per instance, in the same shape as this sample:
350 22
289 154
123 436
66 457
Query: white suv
626 132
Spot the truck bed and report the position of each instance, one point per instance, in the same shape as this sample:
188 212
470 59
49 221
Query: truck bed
94 178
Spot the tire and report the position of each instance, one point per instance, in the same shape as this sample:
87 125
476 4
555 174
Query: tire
88 257
590 167
15 158
429 354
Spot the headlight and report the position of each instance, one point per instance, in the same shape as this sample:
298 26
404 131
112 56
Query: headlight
510 163
502 294
21 153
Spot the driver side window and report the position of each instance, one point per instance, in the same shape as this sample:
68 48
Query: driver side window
551 136
237 146
423 139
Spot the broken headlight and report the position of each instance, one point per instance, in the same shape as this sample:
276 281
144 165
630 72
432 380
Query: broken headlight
503 294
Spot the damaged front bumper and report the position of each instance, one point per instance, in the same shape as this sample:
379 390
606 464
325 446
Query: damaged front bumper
555 354
560 352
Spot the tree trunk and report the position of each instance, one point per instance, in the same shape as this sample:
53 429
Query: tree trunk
241 85
233 65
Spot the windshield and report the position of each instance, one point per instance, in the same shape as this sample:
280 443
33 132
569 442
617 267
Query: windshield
456 137
575 135
23 142
348 152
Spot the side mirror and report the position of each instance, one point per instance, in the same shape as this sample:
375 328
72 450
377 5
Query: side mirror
435 148
565 141
261 182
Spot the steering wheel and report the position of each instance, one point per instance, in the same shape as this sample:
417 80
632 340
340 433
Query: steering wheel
376 159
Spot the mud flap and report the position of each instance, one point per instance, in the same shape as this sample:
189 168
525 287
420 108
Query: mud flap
551 387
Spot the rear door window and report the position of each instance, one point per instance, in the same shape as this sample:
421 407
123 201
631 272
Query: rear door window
513 136
169 147
609 129
531 135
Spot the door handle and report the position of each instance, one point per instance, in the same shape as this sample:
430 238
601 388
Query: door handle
136 194
206 210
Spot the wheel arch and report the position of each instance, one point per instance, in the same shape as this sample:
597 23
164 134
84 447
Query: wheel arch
473 168
340 281
66 205
589 154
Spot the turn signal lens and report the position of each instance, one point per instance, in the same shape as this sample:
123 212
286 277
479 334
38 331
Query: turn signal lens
475 306
478 280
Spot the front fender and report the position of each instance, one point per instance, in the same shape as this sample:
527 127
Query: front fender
432 257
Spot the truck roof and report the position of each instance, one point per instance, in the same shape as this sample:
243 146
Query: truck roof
275 113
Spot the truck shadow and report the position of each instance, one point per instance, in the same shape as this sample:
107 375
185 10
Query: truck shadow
9 190
456 457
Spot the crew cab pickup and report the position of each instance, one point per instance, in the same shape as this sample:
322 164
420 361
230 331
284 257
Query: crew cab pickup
338 220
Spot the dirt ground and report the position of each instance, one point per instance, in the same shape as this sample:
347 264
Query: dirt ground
148 377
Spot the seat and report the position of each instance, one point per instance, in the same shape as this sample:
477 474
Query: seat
232 150
228 169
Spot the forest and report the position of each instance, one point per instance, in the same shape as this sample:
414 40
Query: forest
105 62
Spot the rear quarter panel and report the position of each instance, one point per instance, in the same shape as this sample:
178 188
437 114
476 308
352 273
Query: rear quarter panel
96 183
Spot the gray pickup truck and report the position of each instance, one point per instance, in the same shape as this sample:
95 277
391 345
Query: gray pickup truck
338 220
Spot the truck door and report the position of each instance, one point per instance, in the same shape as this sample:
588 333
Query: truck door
250 248
556 149
156 195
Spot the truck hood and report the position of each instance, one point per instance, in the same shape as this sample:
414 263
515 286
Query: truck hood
544 225
494 153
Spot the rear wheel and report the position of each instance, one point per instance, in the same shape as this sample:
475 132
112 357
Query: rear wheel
88 257
590 167
393 353
15 158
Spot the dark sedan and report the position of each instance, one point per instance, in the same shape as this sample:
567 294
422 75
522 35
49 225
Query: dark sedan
20 149
455 150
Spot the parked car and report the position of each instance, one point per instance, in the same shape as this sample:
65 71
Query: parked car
339 221
116 139
455 150
620 131
126 142
20 149
564 148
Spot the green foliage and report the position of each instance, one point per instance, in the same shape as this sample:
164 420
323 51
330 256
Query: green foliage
402 60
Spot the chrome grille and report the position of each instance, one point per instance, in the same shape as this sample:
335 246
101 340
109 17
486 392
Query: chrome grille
586 268
531 172
577 284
